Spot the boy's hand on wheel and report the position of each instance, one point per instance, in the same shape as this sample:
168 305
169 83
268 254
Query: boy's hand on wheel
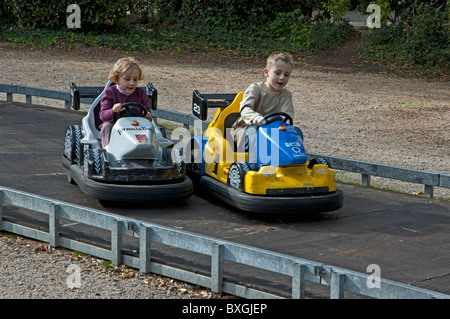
259 120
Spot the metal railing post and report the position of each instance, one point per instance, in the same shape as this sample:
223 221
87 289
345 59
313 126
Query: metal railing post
298 281
217 251
337 285
116 242
144 249
53 225
428 191
365 180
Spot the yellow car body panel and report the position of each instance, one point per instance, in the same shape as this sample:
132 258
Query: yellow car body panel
288 180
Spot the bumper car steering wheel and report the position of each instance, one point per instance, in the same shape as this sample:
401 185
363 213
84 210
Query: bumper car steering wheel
132 109
278 116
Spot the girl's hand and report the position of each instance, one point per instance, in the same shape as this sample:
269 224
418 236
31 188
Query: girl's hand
117 108
149 116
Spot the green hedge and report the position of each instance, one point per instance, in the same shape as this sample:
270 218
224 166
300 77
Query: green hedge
419 39
250 27
52 14
246 27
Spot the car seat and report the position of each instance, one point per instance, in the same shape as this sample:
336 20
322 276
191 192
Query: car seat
91 122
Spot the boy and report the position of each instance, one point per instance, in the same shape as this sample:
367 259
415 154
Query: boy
262 98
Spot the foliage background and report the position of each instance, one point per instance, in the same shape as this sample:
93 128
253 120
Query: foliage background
416 37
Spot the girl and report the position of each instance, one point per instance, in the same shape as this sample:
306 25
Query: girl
126 73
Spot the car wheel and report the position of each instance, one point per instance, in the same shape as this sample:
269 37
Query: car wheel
318 160
92 163
236 175
178 159
71 143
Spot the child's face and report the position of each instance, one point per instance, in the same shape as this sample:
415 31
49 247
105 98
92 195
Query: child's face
129 80
278 76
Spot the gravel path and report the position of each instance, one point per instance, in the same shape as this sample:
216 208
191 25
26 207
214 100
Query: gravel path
345 107
33 270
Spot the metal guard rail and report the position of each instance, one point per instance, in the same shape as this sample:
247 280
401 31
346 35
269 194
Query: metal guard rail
300 270
367 169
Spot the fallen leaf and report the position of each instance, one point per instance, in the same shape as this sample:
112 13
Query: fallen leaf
125 275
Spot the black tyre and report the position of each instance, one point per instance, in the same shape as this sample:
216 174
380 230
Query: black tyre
178 160
72 143
92 162
236 175
318 160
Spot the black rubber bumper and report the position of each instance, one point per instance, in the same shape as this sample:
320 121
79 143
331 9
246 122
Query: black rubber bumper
272 204
119 192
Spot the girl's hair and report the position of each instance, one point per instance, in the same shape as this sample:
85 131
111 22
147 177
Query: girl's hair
122 66
279 56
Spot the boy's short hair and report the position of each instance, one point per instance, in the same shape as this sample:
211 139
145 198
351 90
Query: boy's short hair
122 66
279 56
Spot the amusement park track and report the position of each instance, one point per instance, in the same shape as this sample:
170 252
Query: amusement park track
407 236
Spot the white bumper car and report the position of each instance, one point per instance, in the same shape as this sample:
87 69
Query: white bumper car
137 164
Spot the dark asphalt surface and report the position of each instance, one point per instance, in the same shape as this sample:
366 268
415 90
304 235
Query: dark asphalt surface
407 236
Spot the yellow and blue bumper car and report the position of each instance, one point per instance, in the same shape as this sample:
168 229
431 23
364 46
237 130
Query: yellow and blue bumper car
284 181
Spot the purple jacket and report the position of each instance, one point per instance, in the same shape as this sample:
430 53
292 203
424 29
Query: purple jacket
113 96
